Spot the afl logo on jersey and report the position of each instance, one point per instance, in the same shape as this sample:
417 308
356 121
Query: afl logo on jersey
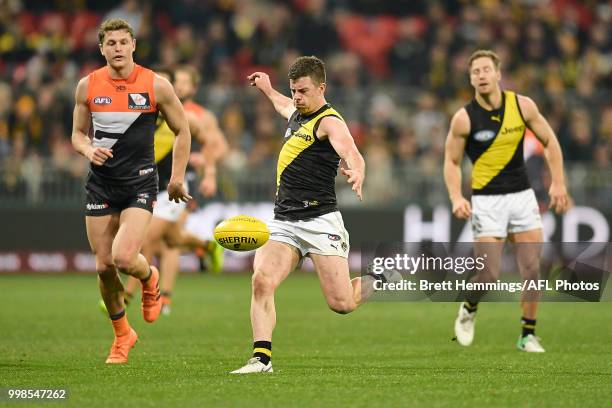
139 101
288 133
102 100
484 135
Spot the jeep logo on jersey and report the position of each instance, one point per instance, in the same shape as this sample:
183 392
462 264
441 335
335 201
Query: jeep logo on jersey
102 100
484 135
139 101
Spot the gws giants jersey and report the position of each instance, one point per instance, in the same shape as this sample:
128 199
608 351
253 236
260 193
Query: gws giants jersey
123 113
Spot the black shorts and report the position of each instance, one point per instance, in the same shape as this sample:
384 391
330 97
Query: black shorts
105 198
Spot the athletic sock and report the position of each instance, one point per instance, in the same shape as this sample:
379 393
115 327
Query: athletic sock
145 280
120 323
263 350
528 326
470 307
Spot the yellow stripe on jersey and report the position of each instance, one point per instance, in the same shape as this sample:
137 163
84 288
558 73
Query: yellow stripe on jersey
503 148
298 142
164 139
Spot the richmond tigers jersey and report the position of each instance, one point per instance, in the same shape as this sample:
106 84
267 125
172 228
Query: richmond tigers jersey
495 147
164 144
123 113
306 170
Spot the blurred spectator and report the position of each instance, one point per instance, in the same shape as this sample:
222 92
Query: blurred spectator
396 72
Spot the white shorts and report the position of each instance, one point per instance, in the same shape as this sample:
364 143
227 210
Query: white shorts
166 209
323 235
500 214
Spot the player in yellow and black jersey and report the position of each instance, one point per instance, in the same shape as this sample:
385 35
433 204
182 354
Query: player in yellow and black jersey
490 129
306 219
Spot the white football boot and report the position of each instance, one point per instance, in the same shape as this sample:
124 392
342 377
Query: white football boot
530 344
254 366
464 326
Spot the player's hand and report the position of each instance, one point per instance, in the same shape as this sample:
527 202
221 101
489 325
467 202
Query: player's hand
354 177
560 201
208 186
261 80
177 192
462 208
98 155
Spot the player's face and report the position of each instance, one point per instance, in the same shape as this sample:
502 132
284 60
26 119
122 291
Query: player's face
307 95
183 85
118 48
484 77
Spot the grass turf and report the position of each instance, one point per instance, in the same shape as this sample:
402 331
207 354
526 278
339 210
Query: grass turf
384 354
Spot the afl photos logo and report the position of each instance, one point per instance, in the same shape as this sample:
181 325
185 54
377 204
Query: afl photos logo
139 101
102 100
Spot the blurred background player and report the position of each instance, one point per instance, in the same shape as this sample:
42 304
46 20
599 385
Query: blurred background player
167 236
491 129
122 100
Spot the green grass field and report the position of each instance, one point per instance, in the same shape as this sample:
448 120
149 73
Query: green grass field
384 354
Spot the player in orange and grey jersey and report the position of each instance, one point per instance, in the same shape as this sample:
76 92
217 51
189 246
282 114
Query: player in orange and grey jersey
122 100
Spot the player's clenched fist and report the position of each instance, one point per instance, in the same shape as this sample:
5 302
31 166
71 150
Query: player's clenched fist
261 80
98 155
462 208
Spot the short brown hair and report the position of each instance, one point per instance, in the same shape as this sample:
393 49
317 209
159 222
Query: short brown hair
311 66
114 24
193 73
485 54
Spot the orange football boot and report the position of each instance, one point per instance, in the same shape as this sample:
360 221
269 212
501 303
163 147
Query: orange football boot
151 298
121 347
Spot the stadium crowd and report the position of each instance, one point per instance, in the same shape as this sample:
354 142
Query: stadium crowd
396 71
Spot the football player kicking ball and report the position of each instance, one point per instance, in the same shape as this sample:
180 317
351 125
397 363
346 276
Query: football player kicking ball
306 219
490 129
122 100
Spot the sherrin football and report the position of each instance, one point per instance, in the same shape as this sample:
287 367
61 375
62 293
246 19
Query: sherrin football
242 233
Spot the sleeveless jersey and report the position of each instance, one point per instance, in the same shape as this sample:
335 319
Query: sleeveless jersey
495 147
306 169
164 144
123 113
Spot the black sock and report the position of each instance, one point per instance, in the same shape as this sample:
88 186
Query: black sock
263 350
166 293
528 326
118 315
148 276
470 307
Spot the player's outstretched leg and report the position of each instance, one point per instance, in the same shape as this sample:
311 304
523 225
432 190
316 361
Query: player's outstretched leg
273 263
128 259
528 249
489 248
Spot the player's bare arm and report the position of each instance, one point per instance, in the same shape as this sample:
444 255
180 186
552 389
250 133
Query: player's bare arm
172 109
80 128
205 129
343 143
559 198
453 155
282 104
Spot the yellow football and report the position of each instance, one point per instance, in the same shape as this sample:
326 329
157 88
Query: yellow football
242 233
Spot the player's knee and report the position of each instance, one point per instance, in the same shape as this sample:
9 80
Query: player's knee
531 272
262 283
123 260
341 306
105 268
